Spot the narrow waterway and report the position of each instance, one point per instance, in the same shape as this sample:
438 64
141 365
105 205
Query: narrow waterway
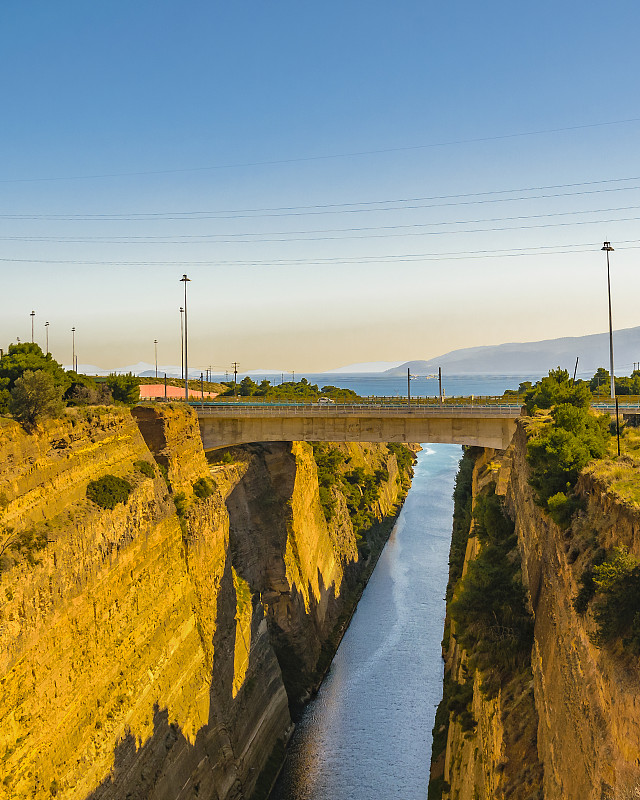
368 733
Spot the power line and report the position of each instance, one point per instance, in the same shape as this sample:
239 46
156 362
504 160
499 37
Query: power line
211 239
275 162
203 237
630 244
334 208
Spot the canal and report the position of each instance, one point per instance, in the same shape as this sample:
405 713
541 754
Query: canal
368 732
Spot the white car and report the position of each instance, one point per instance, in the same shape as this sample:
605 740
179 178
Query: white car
325 401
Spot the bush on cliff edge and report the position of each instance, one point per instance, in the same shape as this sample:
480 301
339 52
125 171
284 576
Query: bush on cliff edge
563 446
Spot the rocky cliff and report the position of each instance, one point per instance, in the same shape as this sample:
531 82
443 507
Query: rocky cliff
565 721
156 649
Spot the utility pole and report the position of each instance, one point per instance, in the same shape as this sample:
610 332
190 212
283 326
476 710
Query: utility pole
32 315
182 343
186 280
46 328
575 371
440 383
293 376
201 390
155 344
235 378
408 386
73 348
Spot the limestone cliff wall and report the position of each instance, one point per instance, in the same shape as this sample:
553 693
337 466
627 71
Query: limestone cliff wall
588 698
143 655
573 731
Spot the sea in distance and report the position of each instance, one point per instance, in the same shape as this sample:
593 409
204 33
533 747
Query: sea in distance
378 385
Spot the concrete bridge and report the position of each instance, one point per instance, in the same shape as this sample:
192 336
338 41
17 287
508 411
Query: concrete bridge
484 426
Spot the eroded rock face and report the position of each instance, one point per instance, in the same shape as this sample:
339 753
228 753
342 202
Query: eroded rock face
143 656
587 697
575 731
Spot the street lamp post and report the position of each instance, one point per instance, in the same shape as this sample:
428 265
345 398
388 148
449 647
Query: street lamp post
32 315
46 329
73 348
608 249
186 280
155 344
182 342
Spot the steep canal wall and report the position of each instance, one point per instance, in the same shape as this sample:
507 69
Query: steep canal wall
159 648
554 714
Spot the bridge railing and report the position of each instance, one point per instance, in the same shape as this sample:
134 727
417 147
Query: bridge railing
354 409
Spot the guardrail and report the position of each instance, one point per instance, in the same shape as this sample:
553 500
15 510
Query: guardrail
367 409
328 411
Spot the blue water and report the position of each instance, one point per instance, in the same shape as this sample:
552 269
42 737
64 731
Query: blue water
368 733
382 386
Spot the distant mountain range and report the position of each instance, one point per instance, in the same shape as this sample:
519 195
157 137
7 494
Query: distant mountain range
535 358
516 358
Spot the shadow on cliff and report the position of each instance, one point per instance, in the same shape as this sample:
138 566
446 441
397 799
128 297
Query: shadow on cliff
218 763
250 728
260 520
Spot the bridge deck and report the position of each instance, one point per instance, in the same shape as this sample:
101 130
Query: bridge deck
486 426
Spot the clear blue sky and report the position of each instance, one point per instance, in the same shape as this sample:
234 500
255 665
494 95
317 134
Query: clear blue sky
134 134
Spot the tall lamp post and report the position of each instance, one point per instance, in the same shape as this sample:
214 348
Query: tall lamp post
186 280
32 315
46 329
73 348
608 249
155 344
182 342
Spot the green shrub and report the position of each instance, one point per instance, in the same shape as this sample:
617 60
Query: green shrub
382 475
490 610
564 446
84 391
180 502
203 488
24 357
459 704
562 508
21 543
34 397
124 388
557 389
587 589
145 468
616 608
462 500
108 491
404 456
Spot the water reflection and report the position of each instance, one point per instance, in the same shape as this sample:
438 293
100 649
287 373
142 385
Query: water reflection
368 733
